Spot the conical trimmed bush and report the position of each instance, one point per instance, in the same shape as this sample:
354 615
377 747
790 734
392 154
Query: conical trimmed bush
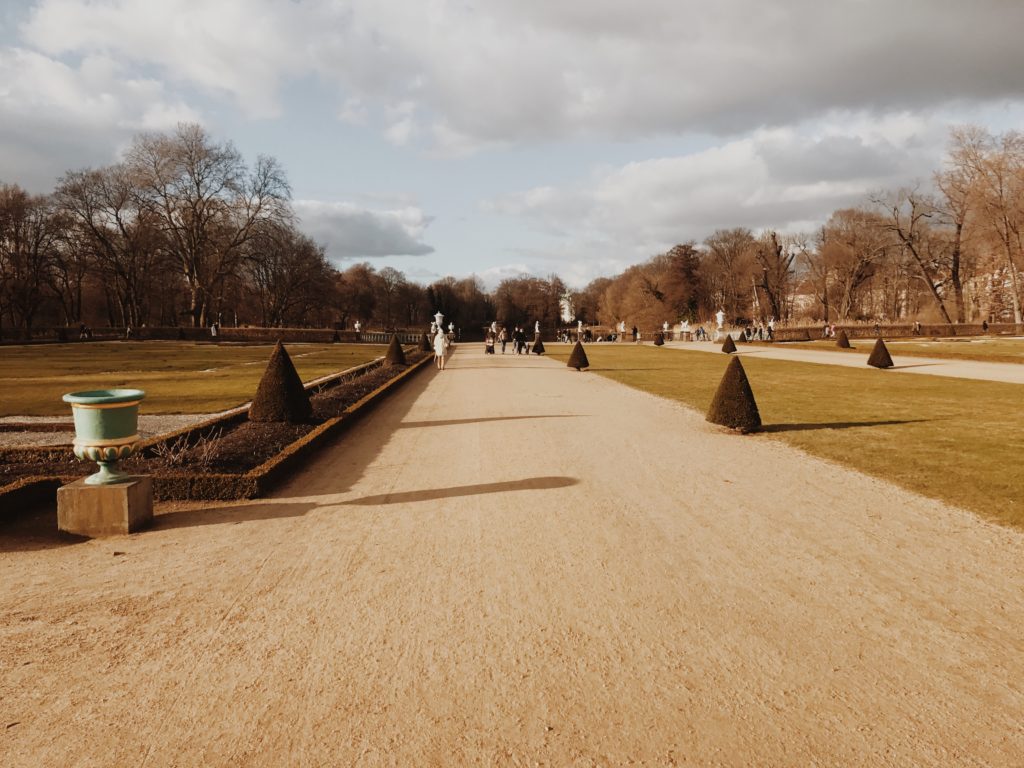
538 347
335 338
395 355
578 358
730 346
425 344
659 339
280 395
842 340
879 357
733 405
741 339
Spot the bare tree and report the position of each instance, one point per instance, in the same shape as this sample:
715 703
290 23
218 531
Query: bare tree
289 274
908 215
775 262
850 247
207 204
122 236
30 232
727 269
994 166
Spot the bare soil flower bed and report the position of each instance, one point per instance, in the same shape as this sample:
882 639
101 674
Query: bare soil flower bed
234 449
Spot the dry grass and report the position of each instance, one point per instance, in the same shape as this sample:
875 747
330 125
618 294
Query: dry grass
952 439
985 349
178 377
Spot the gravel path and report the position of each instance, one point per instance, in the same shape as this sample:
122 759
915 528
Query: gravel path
1011 373
512 563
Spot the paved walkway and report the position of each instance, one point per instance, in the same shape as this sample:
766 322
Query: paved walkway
512 563
1011 373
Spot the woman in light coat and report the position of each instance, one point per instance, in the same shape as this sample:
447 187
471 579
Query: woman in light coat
440 349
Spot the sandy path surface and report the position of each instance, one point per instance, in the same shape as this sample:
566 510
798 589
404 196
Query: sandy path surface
1011 373
517 564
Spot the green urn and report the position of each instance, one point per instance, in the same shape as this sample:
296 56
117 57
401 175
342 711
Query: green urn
106 429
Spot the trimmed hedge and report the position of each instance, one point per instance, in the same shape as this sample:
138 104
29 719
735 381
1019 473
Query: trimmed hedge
578 358
259 480
733 405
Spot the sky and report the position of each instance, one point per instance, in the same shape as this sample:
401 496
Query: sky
508 137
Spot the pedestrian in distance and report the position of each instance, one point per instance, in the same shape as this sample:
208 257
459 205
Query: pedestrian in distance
440 349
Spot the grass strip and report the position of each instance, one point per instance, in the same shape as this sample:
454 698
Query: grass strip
178 377
986 350
956 440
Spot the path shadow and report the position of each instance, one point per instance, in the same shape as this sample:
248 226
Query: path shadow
238 513
35 530
453 422
432 494
914 365
836 425
632 370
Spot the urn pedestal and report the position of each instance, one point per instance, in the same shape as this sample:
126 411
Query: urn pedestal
113 509
109 502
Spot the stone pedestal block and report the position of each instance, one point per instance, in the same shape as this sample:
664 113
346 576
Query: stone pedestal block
105 510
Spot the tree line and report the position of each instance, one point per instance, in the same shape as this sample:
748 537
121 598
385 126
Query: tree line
951 253
183 231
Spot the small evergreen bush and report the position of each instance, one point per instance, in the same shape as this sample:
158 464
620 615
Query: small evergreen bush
733 405
578 358
280 395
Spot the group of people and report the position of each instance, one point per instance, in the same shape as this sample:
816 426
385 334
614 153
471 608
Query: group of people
496 336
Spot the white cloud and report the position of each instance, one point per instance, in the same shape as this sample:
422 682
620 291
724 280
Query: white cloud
56 116
516 71
352 232
787 179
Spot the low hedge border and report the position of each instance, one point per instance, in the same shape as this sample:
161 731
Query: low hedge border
215 487
259 480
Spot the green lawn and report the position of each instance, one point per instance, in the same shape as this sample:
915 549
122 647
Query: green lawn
178 377
957 440
986 349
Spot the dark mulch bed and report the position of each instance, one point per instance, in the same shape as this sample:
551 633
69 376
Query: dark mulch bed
235 450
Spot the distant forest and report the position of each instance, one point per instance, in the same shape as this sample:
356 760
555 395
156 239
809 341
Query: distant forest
184 232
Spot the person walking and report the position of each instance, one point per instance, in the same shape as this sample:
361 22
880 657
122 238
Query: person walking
440 349
503 338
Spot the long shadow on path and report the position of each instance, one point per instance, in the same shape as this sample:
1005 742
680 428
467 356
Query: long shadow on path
836 425
433 494
454 422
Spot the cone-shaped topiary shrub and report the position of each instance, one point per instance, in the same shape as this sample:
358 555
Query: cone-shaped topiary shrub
842 340
538 347
733 405
395 355
741 339
335 338
425 344
659 339
280 395
879 356
578 358
730 346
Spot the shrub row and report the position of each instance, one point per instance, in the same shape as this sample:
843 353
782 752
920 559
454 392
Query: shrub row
259 480
217 487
